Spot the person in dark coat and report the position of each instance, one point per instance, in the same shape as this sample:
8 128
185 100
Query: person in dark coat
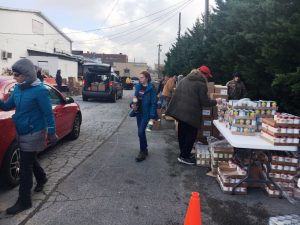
34 121
40 76
145 110
236 88
186 107
58 79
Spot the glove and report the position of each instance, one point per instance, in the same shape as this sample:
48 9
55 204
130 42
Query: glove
53 139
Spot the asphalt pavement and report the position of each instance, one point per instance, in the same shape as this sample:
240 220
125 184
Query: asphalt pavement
109 187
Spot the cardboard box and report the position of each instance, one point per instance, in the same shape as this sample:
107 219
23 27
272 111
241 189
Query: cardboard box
210 87
222 90
207 112
204 132
215 113
101 87
94 87
215 132
207 123
217 95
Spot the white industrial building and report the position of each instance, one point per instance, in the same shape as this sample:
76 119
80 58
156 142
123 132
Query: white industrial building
30 34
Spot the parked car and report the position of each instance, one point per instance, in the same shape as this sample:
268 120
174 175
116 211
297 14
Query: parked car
67 118
99 82
135 80
125 85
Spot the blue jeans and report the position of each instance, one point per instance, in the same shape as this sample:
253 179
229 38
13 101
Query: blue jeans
142 124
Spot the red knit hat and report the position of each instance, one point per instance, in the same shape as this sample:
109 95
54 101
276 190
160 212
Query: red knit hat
206 70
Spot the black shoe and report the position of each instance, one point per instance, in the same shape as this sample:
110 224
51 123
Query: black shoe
141 157
187 161
18 207
40 186
146 152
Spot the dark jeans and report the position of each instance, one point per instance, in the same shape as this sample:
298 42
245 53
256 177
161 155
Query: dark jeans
142 124
187 135
29 165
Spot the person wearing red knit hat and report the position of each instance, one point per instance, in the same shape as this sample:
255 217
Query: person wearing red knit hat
186 107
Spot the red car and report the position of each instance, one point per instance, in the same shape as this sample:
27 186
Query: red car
67 117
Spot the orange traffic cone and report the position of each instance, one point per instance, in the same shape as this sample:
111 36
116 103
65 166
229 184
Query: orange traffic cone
193 215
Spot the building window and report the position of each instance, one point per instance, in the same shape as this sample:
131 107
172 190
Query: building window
37 27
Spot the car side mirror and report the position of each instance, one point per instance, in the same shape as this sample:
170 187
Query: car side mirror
69 100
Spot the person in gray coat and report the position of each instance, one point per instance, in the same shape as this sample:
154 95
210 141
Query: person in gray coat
34 121
186 107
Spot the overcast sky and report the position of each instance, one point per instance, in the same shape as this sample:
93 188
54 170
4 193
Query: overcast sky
138 39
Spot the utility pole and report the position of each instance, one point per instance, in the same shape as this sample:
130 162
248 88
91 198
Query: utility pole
158 64
206 14
179 26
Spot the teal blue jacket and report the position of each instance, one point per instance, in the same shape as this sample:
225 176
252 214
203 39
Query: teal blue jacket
33 109
149 101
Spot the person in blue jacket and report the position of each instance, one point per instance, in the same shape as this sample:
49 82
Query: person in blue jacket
145 110
34 121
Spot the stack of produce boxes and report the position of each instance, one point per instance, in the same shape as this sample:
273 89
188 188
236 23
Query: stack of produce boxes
283 129
207 124
211 113
283 170
229 174
221 152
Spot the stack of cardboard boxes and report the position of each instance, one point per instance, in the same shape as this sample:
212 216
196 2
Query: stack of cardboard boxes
211 113
229 175
283 170
74 86
221 152
203 155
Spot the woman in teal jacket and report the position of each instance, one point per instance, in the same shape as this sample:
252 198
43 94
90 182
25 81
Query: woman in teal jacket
34 121
145 110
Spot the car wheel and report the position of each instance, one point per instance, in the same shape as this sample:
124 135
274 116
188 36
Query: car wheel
10 171
76 128
114 97
84 98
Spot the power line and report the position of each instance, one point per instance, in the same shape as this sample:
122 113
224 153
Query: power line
186 4
102 28
133 30
111 11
